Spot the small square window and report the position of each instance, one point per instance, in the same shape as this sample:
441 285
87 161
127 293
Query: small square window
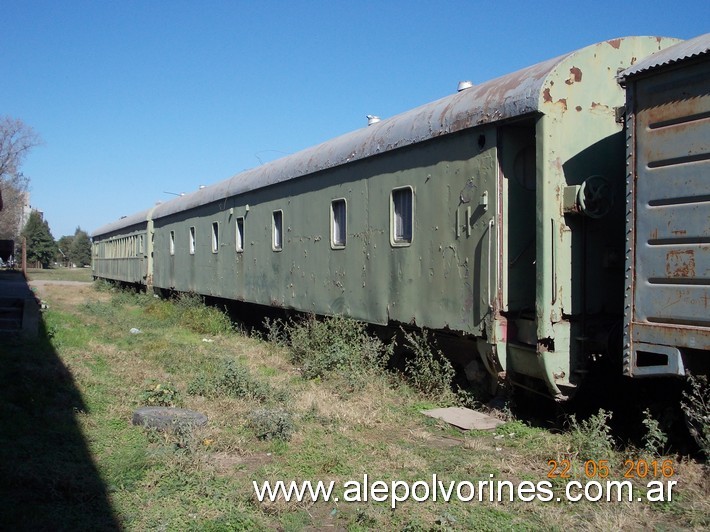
172 242
215 237
192 240
338 223
240 234
277 225
402 216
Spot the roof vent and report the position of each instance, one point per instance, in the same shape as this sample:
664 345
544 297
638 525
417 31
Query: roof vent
463 85
202 186
372 119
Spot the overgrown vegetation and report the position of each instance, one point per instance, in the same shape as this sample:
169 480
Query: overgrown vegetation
234 379
428 369
339 345
268 422
160 394
696 407
591 437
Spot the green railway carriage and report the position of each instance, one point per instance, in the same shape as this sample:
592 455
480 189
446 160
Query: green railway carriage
122 250
495 213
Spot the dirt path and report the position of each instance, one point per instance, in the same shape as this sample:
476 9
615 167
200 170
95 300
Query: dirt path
57 289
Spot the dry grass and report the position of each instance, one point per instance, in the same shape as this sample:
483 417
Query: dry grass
204 481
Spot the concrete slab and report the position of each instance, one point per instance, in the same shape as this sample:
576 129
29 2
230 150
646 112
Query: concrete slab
464 418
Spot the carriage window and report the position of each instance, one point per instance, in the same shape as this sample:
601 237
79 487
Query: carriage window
240 234
215 237
172 242
140 245
402 216
277 225
338 223
192 240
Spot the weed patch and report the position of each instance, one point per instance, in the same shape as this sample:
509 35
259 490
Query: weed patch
336 345
427 369
161 394
270 424
592 438
696 407
234 380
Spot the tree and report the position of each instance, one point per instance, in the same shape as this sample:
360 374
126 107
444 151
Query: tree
16 140
80 249
63 247
41 247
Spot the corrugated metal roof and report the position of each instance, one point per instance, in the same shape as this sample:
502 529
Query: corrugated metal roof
679 52
505 97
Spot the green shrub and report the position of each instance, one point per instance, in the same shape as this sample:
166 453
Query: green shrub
234 380
592 437
696 407
427 369
276 332
161 394
200 318
336 344
655 440
269 424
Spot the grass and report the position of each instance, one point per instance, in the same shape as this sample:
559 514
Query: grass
60 274
72 460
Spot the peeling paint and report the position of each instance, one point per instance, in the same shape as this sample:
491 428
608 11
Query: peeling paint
680 263
616 43
575 76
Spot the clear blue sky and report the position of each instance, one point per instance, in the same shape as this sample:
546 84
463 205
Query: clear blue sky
135 99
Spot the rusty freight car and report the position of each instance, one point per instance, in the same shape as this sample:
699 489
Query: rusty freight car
667 293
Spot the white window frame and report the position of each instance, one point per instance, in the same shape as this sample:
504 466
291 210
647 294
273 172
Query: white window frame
193 240
401 223
239 225
277 233
215 237
338 231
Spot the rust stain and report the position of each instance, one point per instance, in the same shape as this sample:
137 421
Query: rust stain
680 232
546 96
575 76
578 108
680 263
615 43
654 234
563 101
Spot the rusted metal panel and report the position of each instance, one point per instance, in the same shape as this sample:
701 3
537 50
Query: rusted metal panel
668 259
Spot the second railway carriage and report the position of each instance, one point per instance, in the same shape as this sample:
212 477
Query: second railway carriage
122 250
495 214
667 293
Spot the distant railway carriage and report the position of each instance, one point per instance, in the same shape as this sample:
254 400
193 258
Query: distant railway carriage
495 214
121 251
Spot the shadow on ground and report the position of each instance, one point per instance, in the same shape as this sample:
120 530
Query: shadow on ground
48 480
